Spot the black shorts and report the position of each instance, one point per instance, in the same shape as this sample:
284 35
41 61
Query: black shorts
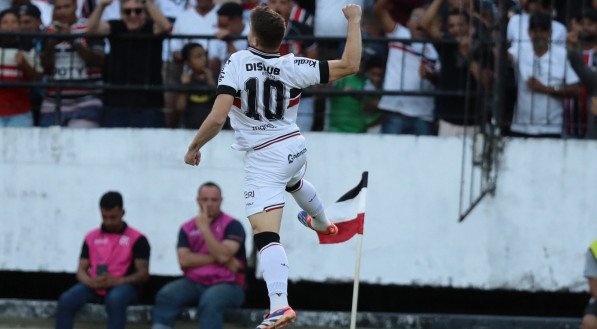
591 307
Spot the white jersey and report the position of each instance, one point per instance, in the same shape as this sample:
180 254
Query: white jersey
537 113
266 89
402 73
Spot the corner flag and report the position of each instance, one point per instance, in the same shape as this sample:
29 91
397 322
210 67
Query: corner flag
348 213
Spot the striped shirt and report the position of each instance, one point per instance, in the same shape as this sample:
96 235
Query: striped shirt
70 67
15 101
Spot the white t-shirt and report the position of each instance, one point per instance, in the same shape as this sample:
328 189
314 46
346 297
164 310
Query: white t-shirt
191 23
267 89
174 8
402 73
329 19
46 10
219 49
518 30
537 113
5 4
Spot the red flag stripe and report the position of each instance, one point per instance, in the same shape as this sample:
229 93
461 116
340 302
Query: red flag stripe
346 230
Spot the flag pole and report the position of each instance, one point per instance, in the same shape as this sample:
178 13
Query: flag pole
355 287
357 268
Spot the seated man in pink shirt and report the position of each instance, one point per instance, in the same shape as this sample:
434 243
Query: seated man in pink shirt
211 254
114 260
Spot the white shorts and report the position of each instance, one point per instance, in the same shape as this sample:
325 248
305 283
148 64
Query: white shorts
270 170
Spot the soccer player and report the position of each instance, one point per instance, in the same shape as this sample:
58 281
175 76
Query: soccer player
260 90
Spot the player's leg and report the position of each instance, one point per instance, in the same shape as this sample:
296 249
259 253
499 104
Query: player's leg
265 178
306 197
275 267
304 192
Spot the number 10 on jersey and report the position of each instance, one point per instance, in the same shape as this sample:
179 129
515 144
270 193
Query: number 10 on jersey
252 88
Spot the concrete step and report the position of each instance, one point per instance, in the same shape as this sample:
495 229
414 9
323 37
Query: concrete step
37 309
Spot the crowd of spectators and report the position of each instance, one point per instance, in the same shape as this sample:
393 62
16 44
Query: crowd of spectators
127 63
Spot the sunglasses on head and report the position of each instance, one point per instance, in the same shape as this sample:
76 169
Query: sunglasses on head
129 11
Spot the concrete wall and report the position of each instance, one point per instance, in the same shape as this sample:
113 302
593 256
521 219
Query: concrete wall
531 235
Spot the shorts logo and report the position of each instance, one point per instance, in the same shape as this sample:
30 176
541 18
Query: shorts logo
292 157
249 194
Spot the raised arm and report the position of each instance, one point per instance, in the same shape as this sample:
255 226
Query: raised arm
386 20
351 57
161 23
427 22
95 24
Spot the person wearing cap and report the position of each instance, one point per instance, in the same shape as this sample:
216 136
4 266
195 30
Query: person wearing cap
29 18
45 9
76 61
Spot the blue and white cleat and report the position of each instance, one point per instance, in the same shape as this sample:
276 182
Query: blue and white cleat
278 319
306 219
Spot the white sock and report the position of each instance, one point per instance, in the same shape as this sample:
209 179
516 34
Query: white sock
275 273
306 197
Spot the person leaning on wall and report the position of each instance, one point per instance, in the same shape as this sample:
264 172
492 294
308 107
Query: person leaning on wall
589 320
114 262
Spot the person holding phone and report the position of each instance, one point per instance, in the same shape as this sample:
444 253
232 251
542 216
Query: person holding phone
114 261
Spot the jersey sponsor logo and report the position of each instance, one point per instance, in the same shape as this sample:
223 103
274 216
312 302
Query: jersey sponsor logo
292 157
222 73
264 126
195 232
124 240
70 72
262 67
304 61
249 194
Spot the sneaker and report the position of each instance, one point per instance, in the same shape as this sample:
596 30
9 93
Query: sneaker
279 319
306 219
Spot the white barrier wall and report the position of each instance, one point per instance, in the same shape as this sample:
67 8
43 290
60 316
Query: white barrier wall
532 235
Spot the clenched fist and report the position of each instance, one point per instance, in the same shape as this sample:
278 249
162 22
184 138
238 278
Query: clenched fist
352 12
